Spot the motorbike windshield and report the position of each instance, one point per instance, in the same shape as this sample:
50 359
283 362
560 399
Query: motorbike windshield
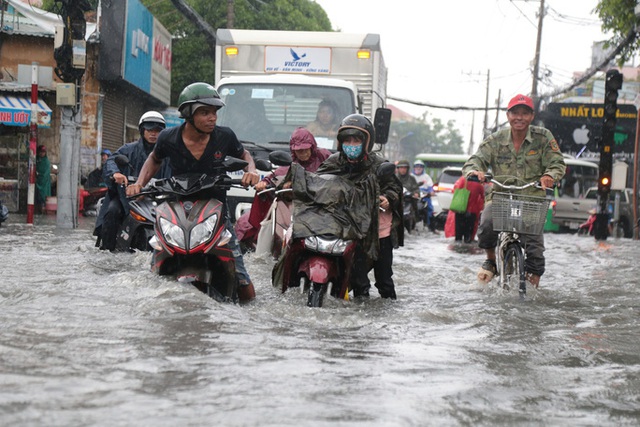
332 205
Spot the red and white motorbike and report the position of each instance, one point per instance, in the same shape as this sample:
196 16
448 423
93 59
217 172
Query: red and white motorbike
191 237
319 264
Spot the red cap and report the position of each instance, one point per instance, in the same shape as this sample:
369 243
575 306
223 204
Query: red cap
520 100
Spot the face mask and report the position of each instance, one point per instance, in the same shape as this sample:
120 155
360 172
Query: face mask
352 151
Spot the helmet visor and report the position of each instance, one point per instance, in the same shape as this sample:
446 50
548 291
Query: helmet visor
153 125
357 133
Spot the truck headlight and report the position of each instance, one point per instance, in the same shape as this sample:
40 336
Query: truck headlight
203 232
172 233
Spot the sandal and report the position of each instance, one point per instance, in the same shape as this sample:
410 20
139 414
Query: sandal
487 271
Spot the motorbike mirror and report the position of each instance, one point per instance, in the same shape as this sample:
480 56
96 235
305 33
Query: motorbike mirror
122 161
382 124
280 158
386 169
263 165
233 164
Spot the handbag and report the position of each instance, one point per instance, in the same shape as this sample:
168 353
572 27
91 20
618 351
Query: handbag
460 199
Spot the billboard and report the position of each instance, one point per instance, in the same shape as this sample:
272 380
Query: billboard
139 48
578 126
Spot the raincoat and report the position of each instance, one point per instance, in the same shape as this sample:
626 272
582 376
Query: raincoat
474 206
137 153
248 225
43 178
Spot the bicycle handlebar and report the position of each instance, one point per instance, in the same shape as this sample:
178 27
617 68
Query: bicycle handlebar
489 178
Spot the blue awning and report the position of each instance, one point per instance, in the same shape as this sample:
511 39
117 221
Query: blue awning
16 111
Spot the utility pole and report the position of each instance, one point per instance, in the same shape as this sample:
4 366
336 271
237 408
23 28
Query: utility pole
536 59
485 130
231 15
498 110
471 143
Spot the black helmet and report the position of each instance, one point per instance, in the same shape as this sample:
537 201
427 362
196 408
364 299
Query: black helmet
359 126
198 93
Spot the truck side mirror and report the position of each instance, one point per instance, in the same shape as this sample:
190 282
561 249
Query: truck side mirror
382 123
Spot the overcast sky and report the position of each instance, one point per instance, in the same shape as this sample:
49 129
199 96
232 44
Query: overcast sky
439 52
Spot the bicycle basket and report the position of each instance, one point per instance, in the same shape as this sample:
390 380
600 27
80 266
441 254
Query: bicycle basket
519 213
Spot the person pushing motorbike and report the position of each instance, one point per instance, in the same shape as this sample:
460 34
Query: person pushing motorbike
115 206
200 146
355 161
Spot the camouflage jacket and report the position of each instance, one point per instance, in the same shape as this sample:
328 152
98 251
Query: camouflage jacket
539 155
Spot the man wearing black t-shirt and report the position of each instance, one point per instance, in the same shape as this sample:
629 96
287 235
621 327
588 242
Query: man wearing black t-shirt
199 146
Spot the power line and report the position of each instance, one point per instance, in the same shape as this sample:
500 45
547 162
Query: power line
631 36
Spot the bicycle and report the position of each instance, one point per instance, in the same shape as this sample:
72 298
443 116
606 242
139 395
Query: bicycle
515 214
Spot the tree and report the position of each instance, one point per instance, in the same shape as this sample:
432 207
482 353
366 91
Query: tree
618 17
427 137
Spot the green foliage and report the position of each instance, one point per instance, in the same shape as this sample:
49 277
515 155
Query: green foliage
618 18
427 137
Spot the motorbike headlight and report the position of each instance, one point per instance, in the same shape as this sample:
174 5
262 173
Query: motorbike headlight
311 243
203 232
172 233
326 246
340 246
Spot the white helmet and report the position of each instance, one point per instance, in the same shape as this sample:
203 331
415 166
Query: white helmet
154 120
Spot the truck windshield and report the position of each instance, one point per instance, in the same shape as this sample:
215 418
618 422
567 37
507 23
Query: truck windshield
269 113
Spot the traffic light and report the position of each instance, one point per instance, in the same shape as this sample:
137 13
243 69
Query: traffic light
613 83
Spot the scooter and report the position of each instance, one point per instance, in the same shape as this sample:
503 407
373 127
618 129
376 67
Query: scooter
319 264
136 228
190 240
273 228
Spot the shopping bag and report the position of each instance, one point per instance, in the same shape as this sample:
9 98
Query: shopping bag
265 235
460 200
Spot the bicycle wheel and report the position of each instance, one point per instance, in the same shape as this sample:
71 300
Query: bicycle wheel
513 268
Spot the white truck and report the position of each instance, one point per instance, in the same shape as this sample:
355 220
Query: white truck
275 81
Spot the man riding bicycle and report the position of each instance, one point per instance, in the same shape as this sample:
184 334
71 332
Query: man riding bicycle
529 153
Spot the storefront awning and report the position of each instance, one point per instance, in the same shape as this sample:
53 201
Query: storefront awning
16 111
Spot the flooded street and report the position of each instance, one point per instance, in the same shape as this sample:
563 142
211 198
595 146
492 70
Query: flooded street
93 338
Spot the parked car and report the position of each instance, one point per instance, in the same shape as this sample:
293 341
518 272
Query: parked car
444 193
571 207
623 216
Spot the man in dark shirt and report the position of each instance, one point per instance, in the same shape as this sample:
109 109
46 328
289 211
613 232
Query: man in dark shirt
199 146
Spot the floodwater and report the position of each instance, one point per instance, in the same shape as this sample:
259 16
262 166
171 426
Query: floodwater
95 339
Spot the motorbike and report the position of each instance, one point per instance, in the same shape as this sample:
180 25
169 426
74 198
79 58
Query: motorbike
4 212
136 228
261 229
410 210
425 208
190 235
271 237
318 263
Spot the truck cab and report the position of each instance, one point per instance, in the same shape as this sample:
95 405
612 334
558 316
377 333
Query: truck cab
264 110
267 109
